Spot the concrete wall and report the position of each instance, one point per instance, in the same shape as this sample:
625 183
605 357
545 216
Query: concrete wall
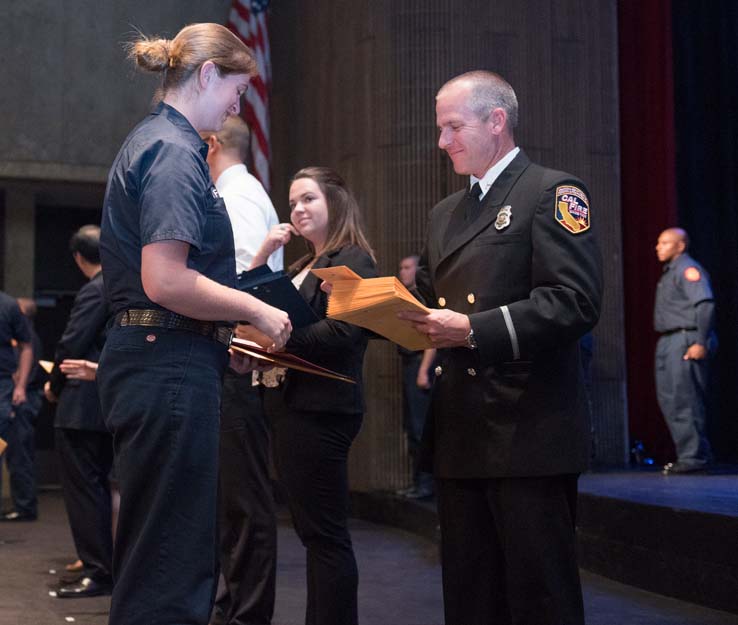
69 95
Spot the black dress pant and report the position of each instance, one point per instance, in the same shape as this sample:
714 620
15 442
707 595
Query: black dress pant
86 457
311 453
247 520
509 552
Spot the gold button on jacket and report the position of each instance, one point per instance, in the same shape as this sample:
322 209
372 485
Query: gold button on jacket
439 370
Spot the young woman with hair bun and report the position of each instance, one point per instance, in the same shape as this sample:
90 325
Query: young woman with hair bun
168 260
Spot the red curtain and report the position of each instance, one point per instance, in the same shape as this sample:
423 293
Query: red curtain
648 197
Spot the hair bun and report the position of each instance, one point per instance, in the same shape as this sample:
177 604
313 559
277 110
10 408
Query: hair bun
153 55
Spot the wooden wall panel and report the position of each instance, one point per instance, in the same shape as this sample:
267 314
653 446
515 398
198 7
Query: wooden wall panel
354 88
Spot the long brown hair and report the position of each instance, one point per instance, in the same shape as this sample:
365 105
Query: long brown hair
344 218
181 57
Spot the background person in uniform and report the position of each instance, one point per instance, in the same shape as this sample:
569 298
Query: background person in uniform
84 445
315 420
684 315
21 453
247 519
15 370
417 380
168 257
515 270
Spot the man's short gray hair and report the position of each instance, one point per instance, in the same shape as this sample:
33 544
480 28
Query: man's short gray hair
488 92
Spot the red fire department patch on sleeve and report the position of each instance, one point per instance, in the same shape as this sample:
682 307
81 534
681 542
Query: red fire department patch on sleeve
692 274
571 209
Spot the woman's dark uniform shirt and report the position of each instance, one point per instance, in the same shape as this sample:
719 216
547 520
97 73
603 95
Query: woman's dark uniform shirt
159 189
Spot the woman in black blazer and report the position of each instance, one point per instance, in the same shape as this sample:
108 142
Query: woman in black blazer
316 419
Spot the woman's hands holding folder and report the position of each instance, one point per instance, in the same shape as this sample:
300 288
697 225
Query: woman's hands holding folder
445 328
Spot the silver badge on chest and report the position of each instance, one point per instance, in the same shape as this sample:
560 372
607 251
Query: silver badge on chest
503 217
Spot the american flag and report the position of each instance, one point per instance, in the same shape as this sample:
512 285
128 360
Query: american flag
248 21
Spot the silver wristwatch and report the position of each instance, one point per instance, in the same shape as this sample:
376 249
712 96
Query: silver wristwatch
471 342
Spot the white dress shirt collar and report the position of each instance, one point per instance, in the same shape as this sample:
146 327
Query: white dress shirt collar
486 181
229 174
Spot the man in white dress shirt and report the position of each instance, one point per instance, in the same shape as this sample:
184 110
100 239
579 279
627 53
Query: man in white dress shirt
248 533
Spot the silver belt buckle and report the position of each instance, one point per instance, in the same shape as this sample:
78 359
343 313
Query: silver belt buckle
224 335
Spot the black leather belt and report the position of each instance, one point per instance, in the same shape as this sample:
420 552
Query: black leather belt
216 330
675 330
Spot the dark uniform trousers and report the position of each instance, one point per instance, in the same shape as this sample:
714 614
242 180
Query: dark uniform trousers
515 543
86 459
21 453
416 402
160 394
681 390
247 519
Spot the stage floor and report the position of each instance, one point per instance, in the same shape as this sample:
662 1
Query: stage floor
714 492
400 581
676 535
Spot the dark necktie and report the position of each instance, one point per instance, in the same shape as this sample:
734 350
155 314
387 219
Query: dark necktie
464 214
472 203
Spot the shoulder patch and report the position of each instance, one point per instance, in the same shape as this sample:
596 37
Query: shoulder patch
692 274
571 209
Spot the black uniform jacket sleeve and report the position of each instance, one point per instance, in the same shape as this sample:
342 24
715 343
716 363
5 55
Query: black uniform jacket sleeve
84 334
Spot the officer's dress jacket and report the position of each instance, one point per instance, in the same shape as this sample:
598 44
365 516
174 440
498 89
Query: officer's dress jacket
516 405
83 337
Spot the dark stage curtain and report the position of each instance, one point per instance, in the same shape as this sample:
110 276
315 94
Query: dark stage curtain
706 113
648 197
679 139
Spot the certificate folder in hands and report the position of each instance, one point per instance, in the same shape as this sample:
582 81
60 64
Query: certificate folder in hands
373 303
276 289
284 359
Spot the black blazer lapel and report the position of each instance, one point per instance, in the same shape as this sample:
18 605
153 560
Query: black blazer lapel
492 202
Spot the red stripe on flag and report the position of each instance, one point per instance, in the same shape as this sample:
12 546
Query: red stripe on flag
251 29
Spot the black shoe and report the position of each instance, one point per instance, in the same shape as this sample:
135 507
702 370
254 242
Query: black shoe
13 517
86 587
680 468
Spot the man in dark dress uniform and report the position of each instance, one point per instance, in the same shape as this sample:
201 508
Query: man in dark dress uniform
684 315
84 445
514 268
